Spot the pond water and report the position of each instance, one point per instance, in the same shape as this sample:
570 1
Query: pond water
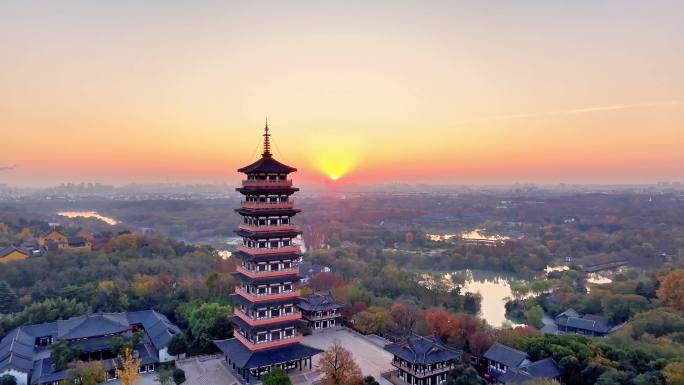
473 235
88 214
494 287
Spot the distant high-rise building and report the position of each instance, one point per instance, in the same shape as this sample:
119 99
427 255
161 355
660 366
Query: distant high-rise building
266 316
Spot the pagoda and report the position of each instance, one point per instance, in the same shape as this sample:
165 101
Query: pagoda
266 316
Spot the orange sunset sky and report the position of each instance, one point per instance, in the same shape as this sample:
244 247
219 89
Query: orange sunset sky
368 91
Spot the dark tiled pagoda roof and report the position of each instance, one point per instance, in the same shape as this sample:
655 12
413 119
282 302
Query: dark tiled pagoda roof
265 257
505 355
245 326
268 234
294 278
267 165
423 350
250 305
245 358
319 302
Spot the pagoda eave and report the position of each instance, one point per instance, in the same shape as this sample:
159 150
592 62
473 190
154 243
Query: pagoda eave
267 234
266 280
270 189
265 257
267 211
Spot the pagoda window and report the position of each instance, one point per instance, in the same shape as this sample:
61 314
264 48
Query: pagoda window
261 314
288 309
261 290
289 332
272 221
286 242
262 221
287 265
287 287
262 244
285 220
274 267
262 267
261 337
275 312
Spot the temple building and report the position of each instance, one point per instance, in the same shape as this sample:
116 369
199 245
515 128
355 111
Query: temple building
266 316
423 360
25 352
321 311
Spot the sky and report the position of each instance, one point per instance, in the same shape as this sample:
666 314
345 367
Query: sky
462 92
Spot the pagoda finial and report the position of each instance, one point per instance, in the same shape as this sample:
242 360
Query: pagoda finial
267 141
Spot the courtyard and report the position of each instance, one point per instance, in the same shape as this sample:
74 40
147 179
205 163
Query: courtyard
368 352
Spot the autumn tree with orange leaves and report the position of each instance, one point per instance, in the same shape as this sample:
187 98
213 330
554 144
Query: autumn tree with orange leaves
338 367
671 289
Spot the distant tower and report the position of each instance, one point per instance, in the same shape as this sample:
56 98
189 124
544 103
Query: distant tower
266 315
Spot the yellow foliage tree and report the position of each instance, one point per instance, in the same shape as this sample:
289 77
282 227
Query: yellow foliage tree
674 373
671 289
128 373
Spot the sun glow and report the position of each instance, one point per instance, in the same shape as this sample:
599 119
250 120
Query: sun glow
335 163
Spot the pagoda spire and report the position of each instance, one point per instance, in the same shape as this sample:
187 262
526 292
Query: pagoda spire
267 141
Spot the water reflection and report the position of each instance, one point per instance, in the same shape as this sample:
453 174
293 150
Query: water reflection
88 214
494 287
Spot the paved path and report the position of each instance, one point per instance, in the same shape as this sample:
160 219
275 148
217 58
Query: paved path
206 372
372 359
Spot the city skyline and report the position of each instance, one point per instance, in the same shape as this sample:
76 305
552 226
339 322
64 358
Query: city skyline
365 92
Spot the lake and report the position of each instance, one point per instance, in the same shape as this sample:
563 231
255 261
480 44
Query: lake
88 214
494 287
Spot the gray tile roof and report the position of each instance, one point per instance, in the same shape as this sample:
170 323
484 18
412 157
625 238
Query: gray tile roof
505 355
5 251
17 348
92 325
423 350
319 302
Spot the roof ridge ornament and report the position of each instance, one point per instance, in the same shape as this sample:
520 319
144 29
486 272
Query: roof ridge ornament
267 141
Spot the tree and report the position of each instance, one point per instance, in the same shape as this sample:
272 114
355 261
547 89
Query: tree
671 289
338 366
370 380
613 377
178 376
164 375
674 373
9 302
276 376
535 315
86 373
62 354
8 379
128 373
178 345
208 322
463 374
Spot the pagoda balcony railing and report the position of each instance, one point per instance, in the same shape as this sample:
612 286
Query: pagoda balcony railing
266 183
275 250
267 297
321 317
267 320
268 228
421 372
267 344
267 205
267 273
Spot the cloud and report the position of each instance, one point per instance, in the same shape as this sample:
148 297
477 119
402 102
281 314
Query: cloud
626 106
574 111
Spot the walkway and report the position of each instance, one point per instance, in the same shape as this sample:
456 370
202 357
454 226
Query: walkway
206 371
